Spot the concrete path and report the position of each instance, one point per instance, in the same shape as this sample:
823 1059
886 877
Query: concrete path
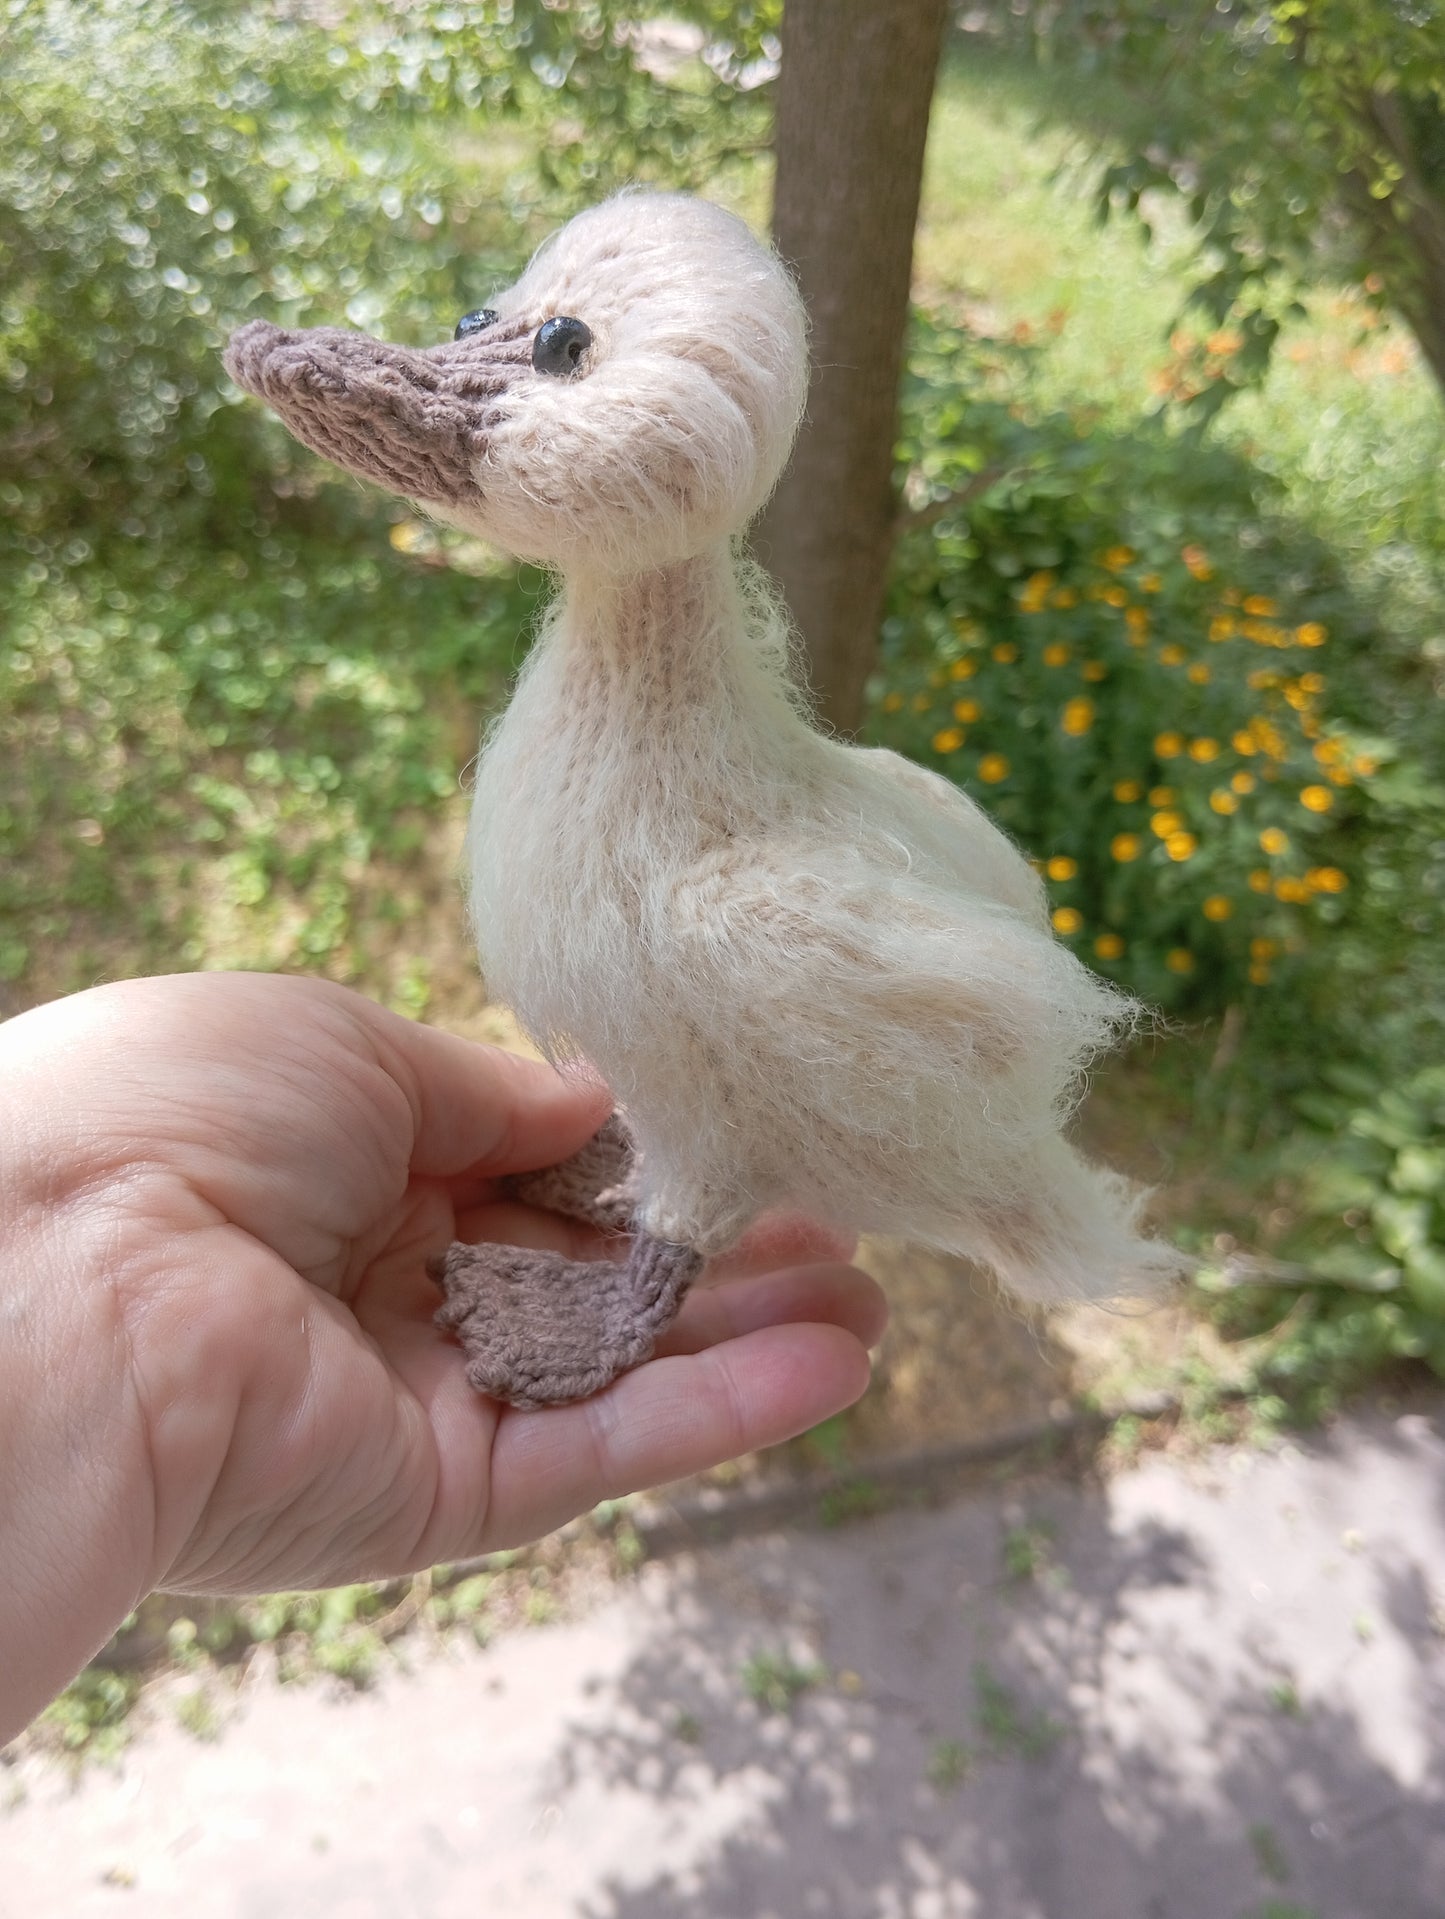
1198 1692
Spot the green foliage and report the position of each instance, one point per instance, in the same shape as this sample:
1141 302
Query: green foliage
231 752
1367 1227
773 1679
88 1720
949 1765
1301 138
1156 685
1028 1552
1006 1725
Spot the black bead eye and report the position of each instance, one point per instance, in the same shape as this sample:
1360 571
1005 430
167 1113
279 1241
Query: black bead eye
474 322
559 345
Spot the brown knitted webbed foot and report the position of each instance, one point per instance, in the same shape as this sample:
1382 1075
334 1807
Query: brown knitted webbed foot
598 1185
540 1330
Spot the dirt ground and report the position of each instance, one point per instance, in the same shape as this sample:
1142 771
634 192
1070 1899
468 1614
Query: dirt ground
1207 1688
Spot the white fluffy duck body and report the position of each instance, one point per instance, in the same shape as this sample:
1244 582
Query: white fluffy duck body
813 974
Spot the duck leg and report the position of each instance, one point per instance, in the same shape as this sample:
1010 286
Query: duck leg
597 1185
540 1329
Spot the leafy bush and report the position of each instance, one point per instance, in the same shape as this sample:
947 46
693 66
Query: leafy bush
234 756
173 167
1116 649
1300 139
1363 1257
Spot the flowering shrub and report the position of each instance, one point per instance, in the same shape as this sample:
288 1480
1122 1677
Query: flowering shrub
1130 689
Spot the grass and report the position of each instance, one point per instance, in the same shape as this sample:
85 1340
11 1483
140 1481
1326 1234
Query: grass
1007 1727
774 1680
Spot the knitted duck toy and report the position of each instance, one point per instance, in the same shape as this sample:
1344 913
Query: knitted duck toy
811 973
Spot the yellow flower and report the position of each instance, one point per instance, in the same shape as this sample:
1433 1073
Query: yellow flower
1312 682
1067 920
1259 881
1262 949
1094 670
1311 634
948 741
963 669
1244 742
1179 960
993 767
1109 946
1364 766
1061 867
1198 674
1126 847
1172 655
1163 824
1329 752
1217 907
1222 801
1136 618
1197 560
1035 591
1078 716
1259 973
1005 652
1244 782
1297 698
1114 596
1339 776
1261 606
1180 846
1127 790
921 702
1292 891
1204 751
967 711
1056 654
1116 557
1326 879
1318 799
1064 596
892 702
1222 627
1168 746
1150 583
1161 796
1274 841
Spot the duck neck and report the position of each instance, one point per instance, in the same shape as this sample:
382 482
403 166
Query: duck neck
673 640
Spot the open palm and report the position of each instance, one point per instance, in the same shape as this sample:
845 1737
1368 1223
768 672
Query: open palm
273 1160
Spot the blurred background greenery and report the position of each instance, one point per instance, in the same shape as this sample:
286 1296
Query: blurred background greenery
1165 594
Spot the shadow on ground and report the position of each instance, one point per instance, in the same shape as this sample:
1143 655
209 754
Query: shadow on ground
1155 1699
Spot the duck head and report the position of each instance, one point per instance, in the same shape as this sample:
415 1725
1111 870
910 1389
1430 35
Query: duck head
629 401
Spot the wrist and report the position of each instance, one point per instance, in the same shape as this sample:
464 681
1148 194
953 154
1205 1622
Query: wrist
75 1496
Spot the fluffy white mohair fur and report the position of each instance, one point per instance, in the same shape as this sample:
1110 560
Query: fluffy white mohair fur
812 974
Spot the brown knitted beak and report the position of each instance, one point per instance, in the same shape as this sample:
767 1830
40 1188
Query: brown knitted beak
413 419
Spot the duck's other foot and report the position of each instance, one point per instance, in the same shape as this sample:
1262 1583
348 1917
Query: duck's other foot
598 1185
540 1330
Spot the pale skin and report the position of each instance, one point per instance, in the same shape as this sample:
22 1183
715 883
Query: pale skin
218 1367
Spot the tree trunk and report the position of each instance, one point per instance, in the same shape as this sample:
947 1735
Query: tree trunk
1411 221
852 120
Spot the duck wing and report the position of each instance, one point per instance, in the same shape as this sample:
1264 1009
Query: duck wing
939 821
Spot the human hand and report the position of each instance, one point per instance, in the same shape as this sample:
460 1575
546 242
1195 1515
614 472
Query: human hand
218 1367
